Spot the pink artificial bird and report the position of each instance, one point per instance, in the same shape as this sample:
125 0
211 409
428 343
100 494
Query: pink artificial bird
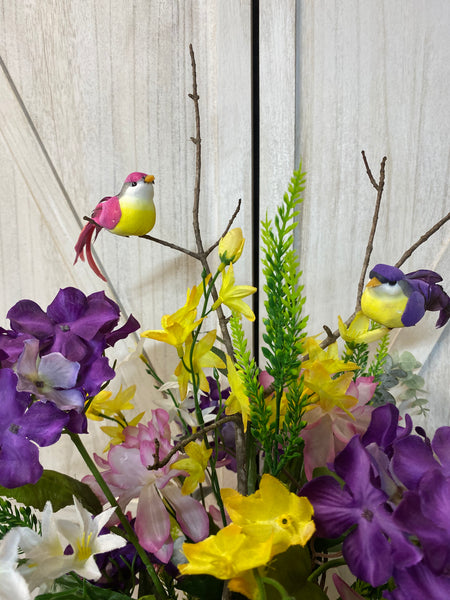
131 212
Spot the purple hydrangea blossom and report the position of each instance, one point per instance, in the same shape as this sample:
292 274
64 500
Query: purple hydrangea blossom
78 327
24 425
377 543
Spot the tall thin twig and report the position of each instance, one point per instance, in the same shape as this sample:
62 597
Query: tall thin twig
379 186
422 239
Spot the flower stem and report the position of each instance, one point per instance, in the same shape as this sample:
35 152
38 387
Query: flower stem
325 566
132 537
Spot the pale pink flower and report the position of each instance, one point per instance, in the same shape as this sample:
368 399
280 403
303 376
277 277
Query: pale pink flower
328 430
128 477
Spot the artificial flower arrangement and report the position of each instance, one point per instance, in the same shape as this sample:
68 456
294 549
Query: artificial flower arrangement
327 474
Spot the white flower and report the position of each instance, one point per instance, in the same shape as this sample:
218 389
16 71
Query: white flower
45 556
12 584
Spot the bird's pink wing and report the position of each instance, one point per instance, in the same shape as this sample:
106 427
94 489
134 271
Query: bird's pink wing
107 213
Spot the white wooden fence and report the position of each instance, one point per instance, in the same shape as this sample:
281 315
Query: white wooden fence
94 89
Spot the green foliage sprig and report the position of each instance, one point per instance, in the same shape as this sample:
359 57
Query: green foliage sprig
16 516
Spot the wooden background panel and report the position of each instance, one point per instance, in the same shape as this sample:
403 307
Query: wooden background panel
375 76
105 86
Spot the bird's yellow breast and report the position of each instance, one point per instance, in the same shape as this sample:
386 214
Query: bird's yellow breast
138 216
384 304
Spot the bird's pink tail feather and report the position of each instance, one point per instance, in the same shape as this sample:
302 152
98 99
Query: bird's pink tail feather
85 242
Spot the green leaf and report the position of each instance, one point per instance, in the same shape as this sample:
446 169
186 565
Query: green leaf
73 587
201 586
56 487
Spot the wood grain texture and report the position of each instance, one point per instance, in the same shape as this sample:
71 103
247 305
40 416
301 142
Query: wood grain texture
375 76
93 91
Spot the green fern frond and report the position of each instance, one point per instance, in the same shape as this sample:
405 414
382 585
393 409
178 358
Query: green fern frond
16 516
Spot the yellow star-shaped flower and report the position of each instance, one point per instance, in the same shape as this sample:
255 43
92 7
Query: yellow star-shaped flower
195 465
201 358
358 331
329 358
231 295
102 405
330 392
237 401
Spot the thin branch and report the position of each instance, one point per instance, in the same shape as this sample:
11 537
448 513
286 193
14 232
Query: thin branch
227 229
195 211
379 187
173 246
158 464
422 239
197 140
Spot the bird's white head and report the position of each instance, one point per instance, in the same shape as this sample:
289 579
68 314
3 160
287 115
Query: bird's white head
138 185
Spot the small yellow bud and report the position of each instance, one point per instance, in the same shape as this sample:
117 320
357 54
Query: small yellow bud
231 246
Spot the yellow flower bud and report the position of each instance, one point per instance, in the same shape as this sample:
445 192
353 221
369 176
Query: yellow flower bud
231 246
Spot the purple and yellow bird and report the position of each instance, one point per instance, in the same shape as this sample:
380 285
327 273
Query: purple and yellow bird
394 299
131 212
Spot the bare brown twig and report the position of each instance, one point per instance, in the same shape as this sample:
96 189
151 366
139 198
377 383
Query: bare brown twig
158 464
379 186
422 239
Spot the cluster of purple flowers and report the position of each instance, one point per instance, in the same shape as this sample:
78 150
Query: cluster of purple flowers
392 494
51 362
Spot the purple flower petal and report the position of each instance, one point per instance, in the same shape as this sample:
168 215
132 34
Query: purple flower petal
19 461
44 423
130 326
419 582
28 317
61 372
68 305
411 460
441 446
334 508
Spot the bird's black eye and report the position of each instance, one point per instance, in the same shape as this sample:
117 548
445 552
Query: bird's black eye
134 183
392 282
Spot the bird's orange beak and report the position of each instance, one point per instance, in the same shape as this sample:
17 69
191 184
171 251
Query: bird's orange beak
149 179
373 282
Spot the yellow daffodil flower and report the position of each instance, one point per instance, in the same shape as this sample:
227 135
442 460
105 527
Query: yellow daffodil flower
330 392
116 432
329 358
102 405
195 465
178 326
227 554
202 358
231 295
230 247
358 330
237 401
272 512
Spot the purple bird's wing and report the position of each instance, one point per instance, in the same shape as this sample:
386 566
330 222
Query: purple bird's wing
107 213
424 275
414 310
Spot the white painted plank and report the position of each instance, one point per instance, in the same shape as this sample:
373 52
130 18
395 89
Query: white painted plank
375 76
106 84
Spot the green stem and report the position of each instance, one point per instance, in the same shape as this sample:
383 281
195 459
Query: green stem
277 585
325 566
132 537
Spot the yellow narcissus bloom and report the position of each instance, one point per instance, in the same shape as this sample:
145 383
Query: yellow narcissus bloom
330 392
231 295
116 432
195 465
329 358
178 326
102 405
273 512
358 330
202 358
228 553
231 246
237 401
